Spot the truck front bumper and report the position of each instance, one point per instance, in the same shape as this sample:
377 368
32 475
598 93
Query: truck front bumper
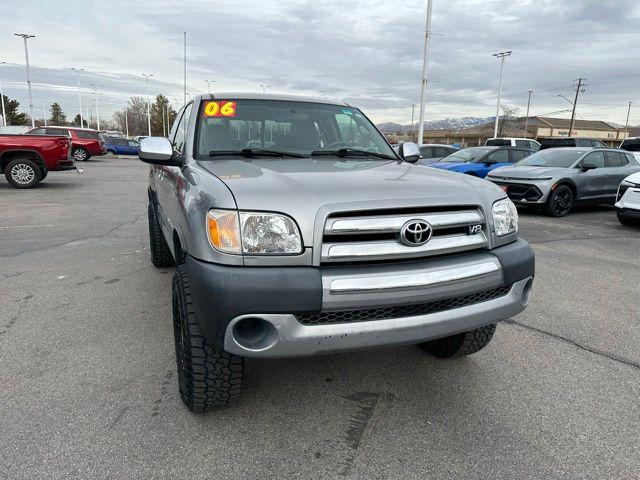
273 312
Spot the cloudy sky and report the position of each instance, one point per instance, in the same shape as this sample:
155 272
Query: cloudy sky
368 52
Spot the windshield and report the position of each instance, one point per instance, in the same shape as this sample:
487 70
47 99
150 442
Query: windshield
232 127
466 155
552 158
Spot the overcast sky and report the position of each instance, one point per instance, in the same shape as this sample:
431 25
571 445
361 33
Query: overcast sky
367 52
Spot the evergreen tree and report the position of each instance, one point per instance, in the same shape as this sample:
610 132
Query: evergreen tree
14 117
57 115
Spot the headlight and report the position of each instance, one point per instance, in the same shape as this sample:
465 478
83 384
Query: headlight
253 233
505 217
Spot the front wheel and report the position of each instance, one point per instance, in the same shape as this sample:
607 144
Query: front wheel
80 154
465 343
560 202
626 220
23 173
208 377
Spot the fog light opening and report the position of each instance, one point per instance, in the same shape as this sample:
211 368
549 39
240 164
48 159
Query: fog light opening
254 333
526 291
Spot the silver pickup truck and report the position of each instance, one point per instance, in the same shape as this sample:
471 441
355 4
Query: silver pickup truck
297 230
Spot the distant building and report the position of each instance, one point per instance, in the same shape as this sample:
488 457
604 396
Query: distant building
537 128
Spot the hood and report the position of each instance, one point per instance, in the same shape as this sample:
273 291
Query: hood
526 171
450 165
301 187
634 178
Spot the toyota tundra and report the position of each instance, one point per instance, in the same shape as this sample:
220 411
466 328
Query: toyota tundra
297 230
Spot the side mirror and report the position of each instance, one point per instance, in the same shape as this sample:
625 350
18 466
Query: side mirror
409 152
158 151
585 167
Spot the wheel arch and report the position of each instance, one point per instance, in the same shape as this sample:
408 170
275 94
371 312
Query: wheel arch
569 183
8 155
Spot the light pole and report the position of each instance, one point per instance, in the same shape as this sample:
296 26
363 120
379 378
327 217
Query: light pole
146 78
626 124
78 70
579 90
264 87
185 70
425 65
501 56
126 121
44 114
413 109
526 120
209 82
4 114
95 95
26 36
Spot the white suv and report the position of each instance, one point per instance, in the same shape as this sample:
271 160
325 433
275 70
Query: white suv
512 142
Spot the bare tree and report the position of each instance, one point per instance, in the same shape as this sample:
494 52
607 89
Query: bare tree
136 113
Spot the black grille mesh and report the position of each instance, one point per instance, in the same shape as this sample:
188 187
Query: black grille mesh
385 313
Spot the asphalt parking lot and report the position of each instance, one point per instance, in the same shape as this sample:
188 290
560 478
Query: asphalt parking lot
87 373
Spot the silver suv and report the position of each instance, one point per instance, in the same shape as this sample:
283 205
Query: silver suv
296 230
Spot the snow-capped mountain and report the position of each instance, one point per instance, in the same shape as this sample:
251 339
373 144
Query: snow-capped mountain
444 124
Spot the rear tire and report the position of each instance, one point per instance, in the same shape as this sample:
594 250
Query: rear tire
560 202
111 152
80 154
208 378
23 173
160 254
465 343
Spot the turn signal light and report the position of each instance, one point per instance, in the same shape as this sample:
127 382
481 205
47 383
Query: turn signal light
223 230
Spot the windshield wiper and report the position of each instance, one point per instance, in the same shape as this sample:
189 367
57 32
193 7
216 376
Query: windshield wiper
254 152
351 152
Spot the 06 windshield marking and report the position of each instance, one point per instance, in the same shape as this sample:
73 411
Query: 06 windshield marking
275 128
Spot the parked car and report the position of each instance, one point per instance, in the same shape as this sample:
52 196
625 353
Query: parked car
121 146
556 179
27 159
557 142
432 152
86 142
628 200
631 144
512 142
301 246
478 161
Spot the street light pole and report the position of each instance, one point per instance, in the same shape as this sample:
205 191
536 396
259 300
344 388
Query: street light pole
264 87
26 36
425 65
146 78
78 70
4 113
95 95
126 121
526 120
626 124
209 82
44 114
413 108
501 56
185 70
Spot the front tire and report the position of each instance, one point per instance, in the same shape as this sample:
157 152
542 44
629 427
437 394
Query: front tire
560 202
461 344
208 378
626 220
23 173
80 154
160 254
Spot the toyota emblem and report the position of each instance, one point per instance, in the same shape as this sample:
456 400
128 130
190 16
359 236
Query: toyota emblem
415 233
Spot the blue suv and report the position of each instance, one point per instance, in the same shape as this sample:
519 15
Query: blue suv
121 146
479 161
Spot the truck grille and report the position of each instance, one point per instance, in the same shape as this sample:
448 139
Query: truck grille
386 313
375 236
